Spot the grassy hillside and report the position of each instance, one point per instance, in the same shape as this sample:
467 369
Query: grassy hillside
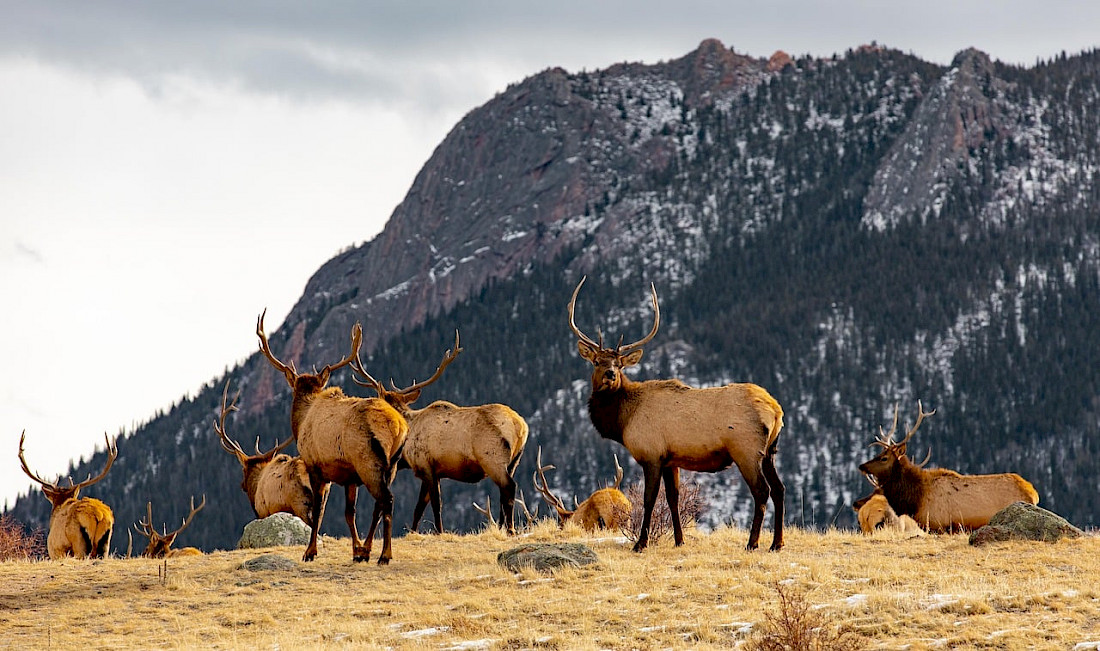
448 592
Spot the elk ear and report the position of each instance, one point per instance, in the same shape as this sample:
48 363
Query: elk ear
586 350
631 358
411 397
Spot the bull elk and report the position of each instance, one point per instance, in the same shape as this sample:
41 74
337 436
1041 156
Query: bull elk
350 441
446 441
667 425
940 500
875 514
273 482
79 526
160 544
607 508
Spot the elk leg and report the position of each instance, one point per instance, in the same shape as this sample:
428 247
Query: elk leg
777 490
360 549
672 495
437 504
384 504
760 491
508 505
652 474
317 512
421 504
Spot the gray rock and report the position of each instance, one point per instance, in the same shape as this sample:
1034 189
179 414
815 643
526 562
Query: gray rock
1023 521
547 557
277 530
268 562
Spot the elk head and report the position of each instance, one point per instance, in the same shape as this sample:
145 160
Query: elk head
250 464
400 399
564 514
893 453
304 384
160 544
608 363
54 491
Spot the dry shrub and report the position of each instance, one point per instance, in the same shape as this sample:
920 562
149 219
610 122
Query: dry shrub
692 506
16 543
796 627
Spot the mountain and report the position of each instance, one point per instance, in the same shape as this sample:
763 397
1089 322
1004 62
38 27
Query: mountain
853 233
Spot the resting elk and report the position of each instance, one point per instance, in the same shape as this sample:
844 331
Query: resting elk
446 441
940 500
79 526
606 508
273 482
875 514
350 441
160 544
667 425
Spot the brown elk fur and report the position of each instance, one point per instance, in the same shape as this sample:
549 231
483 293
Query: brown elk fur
466 444
274 483
875 514
942 500
160 543
667 425
79 526
606 508
350 441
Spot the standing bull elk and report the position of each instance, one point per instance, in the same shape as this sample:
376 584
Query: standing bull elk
940 500
607 508
447 441
351 441
273 482
667 425
160 544
79 526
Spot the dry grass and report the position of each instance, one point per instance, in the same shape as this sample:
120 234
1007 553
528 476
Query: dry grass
448 592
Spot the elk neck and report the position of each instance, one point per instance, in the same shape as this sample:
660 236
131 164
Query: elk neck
611 409
903 486
302 402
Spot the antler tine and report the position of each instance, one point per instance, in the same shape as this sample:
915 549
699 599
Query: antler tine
487 511
544 490
286 369
920 418
357 368
145 527
356 342
573 324
26 469
653 332
926 458
191 515
228 444
618 473
112 454
448 357
871 479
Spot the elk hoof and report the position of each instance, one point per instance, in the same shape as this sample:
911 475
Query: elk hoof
360 558
307 557
639 546
383 560
751 547
776 546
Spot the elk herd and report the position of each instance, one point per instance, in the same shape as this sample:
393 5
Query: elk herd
665 425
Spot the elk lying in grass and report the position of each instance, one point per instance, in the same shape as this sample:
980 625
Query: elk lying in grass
940 500
273 482
875 513
160 544
350 441
667 425
447 441
79 526
606 508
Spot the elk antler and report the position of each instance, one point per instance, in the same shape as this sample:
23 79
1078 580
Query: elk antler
620 349
920 418
27 470
886 440
487 511
286 369
356 342
112 453
232 446
448 357
618 473
573 324
146 528
357 368
551 499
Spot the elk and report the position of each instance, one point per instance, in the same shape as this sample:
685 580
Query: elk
350 441
667 425
940 500
79 526
160 544
273 482
875 513
446 441
607 508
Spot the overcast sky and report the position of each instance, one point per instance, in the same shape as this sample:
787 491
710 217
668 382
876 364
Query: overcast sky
170 169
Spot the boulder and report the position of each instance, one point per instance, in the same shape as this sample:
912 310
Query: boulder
1023 521
278 530
268 562
547 557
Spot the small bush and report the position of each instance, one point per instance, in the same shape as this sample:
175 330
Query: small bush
692 506
16 543
795 627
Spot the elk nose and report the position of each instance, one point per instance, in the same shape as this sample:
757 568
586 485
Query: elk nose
609 375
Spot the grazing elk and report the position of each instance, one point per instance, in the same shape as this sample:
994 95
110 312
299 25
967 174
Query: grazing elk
79 526
350 441
273 482
160 544
940 500
447 441
607 508
667 425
